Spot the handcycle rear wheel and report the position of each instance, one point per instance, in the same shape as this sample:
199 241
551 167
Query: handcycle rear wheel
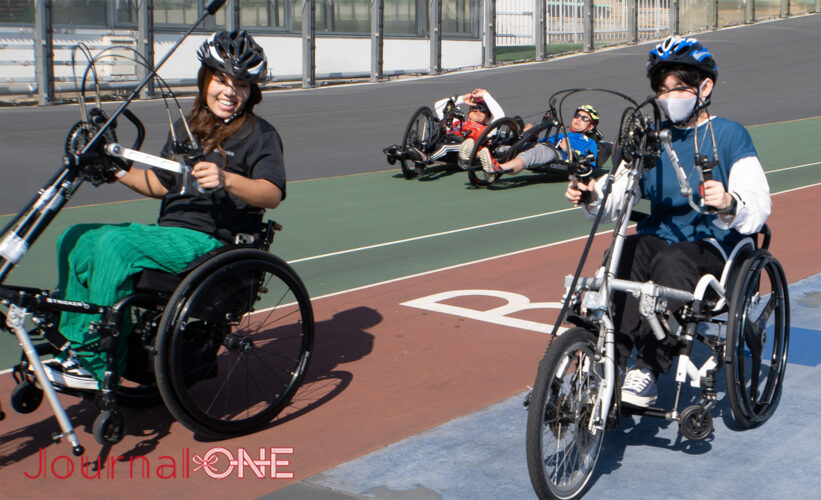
562 451
234 343
499 137
758 333
418 135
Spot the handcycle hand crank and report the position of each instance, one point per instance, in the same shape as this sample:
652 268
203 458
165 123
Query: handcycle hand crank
119 151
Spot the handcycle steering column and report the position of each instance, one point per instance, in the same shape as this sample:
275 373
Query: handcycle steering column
79 164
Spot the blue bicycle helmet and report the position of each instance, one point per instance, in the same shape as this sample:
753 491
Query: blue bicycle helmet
684 51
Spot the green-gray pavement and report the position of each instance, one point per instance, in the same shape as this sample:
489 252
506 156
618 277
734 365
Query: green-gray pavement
336 214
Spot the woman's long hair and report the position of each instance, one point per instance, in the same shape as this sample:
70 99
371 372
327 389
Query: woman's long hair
209 130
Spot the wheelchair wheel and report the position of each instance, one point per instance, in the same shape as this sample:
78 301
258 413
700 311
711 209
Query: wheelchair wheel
234 343
562 452
758 333
499 138
418 135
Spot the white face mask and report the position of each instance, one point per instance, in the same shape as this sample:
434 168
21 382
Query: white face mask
678 109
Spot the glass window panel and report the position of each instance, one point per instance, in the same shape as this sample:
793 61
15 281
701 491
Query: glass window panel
262 13
400 17
79 12
17 11
460 16
125 12
350 16
176 11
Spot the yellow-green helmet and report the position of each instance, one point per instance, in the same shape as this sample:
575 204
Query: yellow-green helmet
590 110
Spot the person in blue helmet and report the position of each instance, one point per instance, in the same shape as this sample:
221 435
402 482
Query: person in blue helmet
675 245
581 139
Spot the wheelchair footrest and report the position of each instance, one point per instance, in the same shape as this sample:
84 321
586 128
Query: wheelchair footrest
646 411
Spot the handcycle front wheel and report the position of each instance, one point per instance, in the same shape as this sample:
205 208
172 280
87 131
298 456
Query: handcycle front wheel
562 450
499 137
418 135
758 334
234 343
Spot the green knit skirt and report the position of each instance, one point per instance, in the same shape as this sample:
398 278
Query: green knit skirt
97 264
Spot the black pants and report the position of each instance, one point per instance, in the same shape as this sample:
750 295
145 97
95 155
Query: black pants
677 265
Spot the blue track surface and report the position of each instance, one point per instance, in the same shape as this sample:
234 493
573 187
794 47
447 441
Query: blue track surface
481 455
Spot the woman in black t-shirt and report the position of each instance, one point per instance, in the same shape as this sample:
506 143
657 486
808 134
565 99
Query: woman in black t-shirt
241 174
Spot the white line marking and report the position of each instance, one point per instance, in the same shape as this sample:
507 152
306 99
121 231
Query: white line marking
482 226
426 236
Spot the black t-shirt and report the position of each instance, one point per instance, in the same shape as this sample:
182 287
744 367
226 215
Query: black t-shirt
255 151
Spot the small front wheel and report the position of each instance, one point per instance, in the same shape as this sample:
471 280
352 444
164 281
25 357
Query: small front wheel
695 423
26 397
562 445
109 427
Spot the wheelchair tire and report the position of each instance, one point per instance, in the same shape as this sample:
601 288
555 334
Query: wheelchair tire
758 334
499 137
418 135
561 451
234 343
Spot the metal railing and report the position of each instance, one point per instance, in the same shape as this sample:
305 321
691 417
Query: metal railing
558 25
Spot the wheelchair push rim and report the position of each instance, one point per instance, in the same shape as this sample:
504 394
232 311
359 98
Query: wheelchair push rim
562 451
230 357
757 339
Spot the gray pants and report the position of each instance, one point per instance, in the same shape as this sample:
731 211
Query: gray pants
540 154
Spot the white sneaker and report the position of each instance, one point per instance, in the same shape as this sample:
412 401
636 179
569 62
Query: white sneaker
466 149
639 388
70 374
489 165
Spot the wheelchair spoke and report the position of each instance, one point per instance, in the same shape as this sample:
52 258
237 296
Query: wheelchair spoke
224 385
269 370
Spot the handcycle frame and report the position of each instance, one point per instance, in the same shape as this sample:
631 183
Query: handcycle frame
583 359
511 140
96 163
424 134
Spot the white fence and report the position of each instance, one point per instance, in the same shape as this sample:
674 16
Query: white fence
515 21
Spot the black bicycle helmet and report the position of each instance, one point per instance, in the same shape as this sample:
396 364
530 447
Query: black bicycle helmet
685 51
235 53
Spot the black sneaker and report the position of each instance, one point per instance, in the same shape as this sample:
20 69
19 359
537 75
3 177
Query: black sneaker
69 374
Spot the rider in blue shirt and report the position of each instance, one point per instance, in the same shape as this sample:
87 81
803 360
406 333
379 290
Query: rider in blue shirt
552 148
676 246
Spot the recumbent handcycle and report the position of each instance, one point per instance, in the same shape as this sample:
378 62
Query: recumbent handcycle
224 344
428 141
742 317
506 138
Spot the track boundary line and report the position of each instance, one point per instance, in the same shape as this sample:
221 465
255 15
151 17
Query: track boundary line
481 226
479 261
501 256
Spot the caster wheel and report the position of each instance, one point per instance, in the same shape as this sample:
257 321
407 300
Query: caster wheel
78 450
109 427
26 397
695 423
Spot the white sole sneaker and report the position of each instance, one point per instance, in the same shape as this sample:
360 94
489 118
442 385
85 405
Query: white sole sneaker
466 149
486 161
72 378
634 399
